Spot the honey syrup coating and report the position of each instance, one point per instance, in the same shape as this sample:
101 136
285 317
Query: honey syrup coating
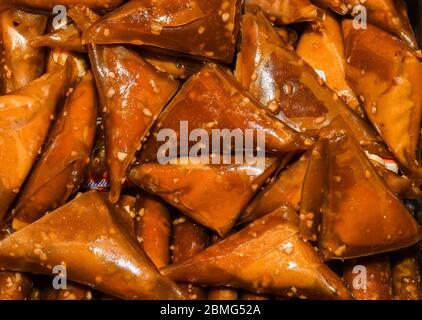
391 16
289 88
285 186
95 245
14 285
189 238
61 169
210 25
322 47
369 278
287 11
132 93
340 155
153 228
383 71
406 274
212 99
69 38
33 107
209 203
221 293
21 62
266 257
361 216
102 5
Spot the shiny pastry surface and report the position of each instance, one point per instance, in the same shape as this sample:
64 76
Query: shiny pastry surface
243 150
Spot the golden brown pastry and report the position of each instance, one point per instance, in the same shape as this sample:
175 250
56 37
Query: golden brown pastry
212 99
153 229
210 202
50 4
129 209
15 286
338 6
361 216
22 63
312 198
284 187
132 94
189 238
88 238
267 256
222 293
389 15
178 67
289 88
406 274
287 11
73 291
206 28
385 73
322 47
82 16
402 186
25 117
58 57
369 278
60 171
69 38
97 175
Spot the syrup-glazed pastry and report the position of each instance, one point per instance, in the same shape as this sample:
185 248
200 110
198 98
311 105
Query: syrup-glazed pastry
385 73
389 15
205 29
322 47
69 38
338 6
62 166
406 274
210 202
103 5
73 291
153 229
14 285
289 88
284 187
360 215
189 238
268 256
221 293
132 93
212 100
369 278
95 246
21 62
33 108
287 11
